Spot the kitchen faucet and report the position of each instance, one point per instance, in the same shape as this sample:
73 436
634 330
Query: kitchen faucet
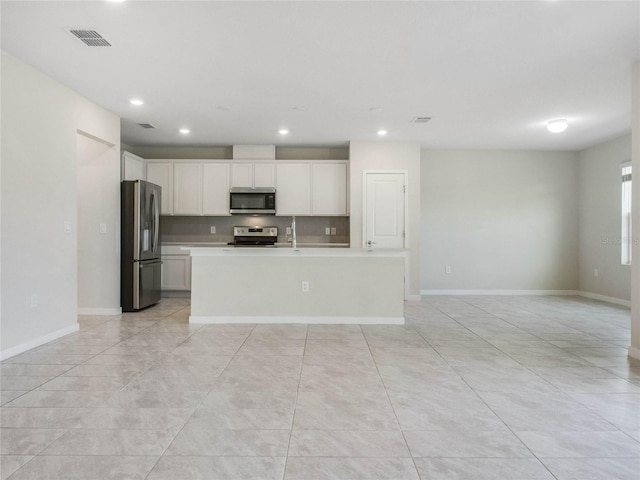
293 232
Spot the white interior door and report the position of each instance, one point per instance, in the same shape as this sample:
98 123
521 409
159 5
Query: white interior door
384 210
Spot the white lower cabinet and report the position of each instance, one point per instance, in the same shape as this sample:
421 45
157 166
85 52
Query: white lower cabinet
176 272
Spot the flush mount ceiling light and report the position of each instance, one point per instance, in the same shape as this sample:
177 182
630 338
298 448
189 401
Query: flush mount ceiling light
558 125
382 133
185 131
283 131
136 101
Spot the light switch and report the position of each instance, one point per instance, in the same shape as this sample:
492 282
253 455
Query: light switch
67 227
103 228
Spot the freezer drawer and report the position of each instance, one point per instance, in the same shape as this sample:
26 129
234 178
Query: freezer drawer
146 283
140 286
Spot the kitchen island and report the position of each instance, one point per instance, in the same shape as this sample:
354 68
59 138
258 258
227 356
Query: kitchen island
301 285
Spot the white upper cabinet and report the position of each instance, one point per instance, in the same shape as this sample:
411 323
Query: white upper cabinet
329 188
293 189
264 175
215 189
303 187
242 174
161 173
253 174
187 194
133 167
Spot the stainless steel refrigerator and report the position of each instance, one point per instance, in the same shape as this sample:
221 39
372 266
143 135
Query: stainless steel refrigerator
140 251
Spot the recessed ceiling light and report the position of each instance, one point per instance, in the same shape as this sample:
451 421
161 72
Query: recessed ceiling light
283 131
136 101
382 133
224 108
558 125
185 131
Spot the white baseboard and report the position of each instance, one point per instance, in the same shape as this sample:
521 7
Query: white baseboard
634 352
18 349
312 320
499 292
100 311
594 296
604 298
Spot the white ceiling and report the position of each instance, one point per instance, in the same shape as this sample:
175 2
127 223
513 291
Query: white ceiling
489 73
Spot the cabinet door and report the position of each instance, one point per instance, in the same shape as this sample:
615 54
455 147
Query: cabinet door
293 189
242 175
133 167
264 175
176 272
329 189
215 189
187 189
161 173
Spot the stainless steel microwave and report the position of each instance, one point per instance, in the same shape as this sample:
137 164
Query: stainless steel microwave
252 201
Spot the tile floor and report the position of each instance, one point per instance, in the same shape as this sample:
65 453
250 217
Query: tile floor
516 388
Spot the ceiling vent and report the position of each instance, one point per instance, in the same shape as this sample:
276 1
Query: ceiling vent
420 119
91 38
147 125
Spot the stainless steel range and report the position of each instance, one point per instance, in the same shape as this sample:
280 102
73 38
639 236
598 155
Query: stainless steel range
255 236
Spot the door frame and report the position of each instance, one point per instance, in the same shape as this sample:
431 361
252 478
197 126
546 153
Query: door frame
405 174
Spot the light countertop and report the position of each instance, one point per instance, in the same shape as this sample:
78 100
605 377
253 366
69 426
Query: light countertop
295 252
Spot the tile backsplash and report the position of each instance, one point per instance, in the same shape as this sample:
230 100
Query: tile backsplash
178 229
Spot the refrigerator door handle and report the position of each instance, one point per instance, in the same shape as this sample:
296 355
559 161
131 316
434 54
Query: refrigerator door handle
156 220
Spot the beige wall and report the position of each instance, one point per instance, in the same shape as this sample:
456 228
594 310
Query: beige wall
98 203
388 156
40 122
634 348
600 220
502 220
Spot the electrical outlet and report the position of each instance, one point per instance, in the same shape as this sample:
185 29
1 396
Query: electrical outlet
595 272
447 269
305 286
34 300
103 228
333 230
327 231
213 229
67 227
288 230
